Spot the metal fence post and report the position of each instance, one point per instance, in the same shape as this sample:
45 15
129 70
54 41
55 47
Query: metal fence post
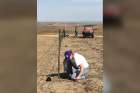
59 54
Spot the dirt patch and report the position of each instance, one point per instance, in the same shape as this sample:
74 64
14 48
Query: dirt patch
47 49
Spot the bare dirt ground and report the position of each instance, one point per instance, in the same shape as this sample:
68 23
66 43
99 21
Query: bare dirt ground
47 63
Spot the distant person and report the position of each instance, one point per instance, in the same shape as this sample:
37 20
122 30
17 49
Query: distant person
64 33
76 32
75 65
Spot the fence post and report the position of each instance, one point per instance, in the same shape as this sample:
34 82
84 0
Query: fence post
59 53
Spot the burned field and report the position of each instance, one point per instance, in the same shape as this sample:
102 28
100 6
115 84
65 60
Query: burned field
47 62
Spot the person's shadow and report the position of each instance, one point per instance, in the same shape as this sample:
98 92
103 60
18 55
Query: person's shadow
60 75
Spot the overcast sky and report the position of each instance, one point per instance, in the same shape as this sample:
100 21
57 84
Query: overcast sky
69 10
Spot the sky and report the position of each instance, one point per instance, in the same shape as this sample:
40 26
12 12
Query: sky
69 10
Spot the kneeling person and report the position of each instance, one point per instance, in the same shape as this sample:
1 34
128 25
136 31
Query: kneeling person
75 65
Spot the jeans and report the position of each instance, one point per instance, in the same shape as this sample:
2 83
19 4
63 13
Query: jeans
77 71
73 73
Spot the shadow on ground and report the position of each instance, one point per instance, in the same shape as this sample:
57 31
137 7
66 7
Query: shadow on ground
60 75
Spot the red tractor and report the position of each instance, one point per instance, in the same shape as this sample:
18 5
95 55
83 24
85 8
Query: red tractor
88 31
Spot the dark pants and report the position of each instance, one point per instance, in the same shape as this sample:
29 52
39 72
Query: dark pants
73 73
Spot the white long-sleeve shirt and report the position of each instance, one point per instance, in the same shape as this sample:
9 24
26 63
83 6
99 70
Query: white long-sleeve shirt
79 59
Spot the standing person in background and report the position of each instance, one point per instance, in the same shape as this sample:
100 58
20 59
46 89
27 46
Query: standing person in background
76 32
75 65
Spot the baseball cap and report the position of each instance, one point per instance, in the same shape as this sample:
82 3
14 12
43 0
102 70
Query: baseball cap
68 54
